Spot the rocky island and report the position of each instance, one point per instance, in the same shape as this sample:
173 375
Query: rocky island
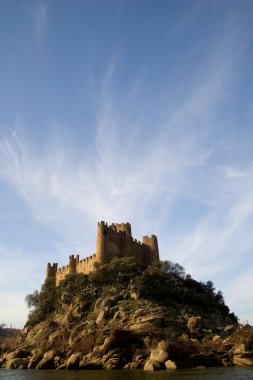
124 308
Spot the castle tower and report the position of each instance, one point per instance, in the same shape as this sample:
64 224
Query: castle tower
100 245
152 243
51 273
113 241
73 263
124 227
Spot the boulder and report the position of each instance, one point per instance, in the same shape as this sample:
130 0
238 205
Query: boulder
229 329
155 320
108 342
217 338
76 331
84 342
242 362
112 358
39 334
47 362
34 361
169 364
107 302
163 345
104 304
15 354
194 326
141 327
147 322
98 304
159 355
152 365
17 363
73 361
91 361
101 316
240 350
37 351
57 341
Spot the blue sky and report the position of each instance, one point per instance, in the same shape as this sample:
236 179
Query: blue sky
125 110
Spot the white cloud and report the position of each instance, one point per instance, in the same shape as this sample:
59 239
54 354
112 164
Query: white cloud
131 175
39 12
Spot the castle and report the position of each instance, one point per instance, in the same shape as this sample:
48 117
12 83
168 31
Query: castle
113 240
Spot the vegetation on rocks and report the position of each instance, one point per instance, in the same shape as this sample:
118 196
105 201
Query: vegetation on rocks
165 283
124 316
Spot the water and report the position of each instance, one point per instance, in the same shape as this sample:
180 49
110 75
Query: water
194 374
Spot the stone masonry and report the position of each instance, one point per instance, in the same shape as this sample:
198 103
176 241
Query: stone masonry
113 240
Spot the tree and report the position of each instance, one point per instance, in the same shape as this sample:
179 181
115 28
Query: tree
42 303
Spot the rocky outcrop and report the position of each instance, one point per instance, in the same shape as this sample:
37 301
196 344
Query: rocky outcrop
47 362
243 355
120 331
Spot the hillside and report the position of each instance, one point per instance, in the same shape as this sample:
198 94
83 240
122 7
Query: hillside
125 316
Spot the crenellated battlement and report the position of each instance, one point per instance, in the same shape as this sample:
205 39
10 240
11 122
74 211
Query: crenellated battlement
113 240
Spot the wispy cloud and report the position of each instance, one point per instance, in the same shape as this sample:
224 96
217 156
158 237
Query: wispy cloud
39 12
136 172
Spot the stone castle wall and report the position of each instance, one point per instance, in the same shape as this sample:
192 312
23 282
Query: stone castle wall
112 241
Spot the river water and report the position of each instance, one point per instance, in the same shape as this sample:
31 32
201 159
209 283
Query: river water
194 374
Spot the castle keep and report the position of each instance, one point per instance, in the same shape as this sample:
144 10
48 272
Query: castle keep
113 240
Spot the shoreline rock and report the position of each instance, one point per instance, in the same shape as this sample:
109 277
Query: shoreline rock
163 342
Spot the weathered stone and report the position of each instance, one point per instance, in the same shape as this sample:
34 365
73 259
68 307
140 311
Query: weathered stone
91 361
62 366
13 355
163 345
111 360
17 363
76 331
37 351
134 296
240 350
117 240
57 341
147 322
169 364
141 326
102 315
34 361
151 365
112 363
98 303
194 326
108 342
47 362
242 362
38 335
155 320
73 361
217 338
225 362
83 342
229 329
159 355
107 302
